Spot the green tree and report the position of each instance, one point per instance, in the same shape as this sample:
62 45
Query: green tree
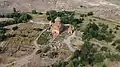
15 28
104 48
71 64
90 13
34 12
118 48
50 12
16 19
104 65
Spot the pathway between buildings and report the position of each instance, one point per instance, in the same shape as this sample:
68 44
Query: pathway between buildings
68 42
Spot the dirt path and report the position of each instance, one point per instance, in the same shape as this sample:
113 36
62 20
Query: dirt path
41 22
68 42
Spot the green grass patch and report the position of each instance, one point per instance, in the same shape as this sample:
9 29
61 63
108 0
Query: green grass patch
44 38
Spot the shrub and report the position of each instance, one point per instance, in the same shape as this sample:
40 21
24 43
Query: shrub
43 39
117 41
15 28
71 64
40 13
114 57
45 49
109 38
90 20
2 33
37 29
117 28
113 44
23 18
14 10
10 35
59 64
94 19
18 17
99 58
90 13
118 48
52 54
24 35
104 49
81 6
34 12
115 32
99 32
83 15
50 12
2 36
110 31
104 65
75 54
39 51
1 49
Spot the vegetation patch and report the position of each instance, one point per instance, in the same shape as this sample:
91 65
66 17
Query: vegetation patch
67 17
99 32
36 12
44 38
104 49
18 17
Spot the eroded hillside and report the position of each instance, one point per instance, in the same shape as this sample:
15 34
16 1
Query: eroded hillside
104 8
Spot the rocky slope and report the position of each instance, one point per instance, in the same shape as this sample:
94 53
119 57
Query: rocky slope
103 8
54 4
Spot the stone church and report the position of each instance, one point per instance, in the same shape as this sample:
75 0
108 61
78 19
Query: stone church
58 27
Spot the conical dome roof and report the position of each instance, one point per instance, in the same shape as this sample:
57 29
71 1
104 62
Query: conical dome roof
58 19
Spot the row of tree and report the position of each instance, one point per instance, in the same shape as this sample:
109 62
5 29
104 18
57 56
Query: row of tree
17 17
67 17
